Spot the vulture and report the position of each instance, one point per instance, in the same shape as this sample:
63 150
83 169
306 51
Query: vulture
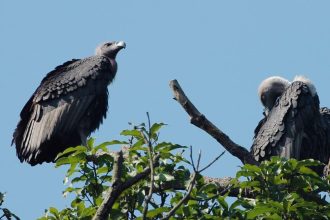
294 125
70 103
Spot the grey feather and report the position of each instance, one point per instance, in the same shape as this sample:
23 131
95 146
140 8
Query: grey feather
282 131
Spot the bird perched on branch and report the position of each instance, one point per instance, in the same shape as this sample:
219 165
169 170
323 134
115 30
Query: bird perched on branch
293 126
70 103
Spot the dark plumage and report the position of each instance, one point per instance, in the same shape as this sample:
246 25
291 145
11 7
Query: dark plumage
295 126
69 104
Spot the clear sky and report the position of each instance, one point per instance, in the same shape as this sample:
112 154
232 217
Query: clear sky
218 50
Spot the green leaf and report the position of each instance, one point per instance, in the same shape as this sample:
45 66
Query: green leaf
279 180
102 170
55 212
157 211
88 212
245 173
139 143
252 168
109 143
223 202
155 128
75 157
162 145
309 162
139 147
259 210
90 143
71 150
134 133
71 170
245 184
62 161
210 187
234 205
307 171
170 147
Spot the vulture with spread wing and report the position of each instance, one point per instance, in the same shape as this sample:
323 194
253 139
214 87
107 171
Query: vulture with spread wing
69 104
294 125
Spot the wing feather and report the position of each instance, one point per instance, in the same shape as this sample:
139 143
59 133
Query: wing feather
282 132
61 107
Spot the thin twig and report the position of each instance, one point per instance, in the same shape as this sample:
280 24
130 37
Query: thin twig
149 123
198 160
192 182
192 160
210 164
183 200
152 176
199 120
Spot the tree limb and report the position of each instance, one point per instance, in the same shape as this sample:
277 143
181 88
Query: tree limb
200 121
223 186
115 191
152 175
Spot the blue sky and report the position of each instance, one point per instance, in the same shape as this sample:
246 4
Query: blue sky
218 50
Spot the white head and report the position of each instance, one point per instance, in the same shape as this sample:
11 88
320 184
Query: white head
110 49
273 87
270 89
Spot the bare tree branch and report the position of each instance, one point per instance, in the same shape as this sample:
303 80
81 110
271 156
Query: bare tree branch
199 120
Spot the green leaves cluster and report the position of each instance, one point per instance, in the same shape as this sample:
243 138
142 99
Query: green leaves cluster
284 189
277 189
90 172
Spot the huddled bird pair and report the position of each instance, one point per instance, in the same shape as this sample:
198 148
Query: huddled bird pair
72 101
294 125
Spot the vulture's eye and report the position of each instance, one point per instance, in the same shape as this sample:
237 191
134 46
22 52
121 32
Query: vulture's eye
107 44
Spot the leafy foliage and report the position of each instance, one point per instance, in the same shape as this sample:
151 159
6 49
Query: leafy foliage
284 189
279 188
90 174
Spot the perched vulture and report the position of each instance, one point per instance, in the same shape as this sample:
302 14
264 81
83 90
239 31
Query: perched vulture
294 125
69 104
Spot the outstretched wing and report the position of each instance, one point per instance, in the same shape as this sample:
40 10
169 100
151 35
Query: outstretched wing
69 104
291 128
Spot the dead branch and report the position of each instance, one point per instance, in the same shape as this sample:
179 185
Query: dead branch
200 121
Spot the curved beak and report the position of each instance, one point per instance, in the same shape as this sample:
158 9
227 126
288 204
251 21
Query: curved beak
121 44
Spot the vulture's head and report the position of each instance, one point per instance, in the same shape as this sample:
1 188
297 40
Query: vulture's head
110 49
270 89
273 87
